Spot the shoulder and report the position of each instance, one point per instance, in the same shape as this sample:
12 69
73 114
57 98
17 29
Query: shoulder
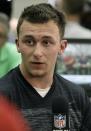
11 47
75 30
7 82
86 32
73 92
66 83
70 88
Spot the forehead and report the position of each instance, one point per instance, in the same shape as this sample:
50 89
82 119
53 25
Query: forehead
39 28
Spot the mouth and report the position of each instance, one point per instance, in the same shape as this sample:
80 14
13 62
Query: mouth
37 63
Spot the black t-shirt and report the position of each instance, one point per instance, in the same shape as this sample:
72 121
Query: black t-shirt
37 110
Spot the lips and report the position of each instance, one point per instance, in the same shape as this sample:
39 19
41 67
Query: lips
37 63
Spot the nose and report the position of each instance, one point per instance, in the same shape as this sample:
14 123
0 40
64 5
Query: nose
38 50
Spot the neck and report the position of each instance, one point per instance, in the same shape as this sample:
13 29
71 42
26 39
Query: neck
74 18
38 82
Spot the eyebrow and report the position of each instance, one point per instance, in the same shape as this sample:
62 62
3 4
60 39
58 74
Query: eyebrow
47 37
32 37
28 36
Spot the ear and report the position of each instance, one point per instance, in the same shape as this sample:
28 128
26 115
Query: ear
63 45
17 44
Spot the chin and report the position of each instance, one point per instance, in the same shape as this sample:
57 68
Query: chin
37 74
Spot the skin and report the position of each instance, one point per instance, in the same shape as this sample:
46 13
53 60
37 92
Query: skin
39 45
3 34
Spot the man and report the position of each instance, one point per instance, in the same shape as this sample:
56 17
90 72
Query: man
33 85
9 57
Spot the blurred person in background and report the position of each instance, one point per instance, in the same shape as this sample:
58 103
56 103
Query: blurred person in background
6 7
86 15
73 10
9 57
34 84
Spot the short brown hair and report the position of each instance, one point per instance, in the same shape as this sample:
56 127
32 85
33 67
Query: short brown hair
42 13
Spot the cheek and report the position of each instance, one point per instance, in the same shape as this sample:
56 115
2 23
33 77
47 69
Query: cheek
25 52
24 49
53 56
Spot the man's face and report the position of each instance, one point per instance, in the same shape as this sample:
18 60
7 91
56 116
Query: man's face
3 34
39 45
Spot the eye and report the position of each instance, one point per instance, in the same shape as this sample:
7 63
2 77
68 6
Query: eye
46 43
28 42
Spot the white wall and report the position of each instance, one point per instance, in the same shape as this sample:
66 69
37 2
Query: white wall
19 5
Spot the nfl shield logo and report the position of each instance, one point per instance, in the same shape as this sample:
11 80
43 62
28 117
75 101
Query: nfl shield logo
60 121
